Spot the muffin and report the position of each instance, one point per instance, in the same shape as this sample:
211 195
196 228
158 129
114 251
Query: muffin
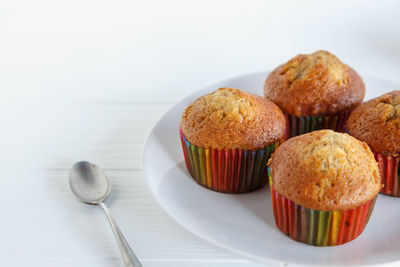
315 91
377 122
227 138
323 187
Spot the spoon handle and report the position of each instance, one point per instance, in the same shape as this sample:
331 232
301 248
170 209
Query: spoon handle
127 254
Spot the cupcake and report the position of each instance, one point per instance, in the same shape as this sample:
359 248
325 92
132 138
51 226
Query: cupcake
323 187
227 138
315 91
377 122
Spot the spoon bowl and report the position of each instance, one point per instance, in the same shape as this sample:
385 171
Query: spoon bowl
89 183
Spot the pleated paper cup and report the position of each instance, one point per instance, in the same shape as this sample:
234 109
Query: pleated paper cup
305 124
225 170
319 228
389 168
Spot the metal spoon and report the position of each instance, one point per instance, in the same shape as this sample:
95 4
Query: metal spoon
90 185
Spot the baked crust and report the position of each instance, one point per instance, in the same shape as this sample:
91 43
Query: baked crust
325 170
232 119
377 122
314 84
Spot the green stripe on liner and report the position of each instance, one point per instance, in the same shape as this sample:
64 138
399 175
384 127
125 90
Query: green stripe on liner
309 123
195 163
320 122
201 166
191 161
314 123
312 220
324 224
303 125
318 227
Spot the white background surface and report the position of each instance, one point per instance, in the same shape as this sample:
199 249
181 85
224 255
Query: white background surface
88 79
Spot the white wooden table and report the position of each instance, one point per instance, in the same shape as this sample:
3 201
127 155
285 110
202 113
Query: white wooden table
87 80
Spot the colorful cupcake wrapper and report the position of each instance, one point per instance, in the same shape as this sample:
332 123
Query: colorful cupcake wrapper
389 168
319 228
228 171
305 124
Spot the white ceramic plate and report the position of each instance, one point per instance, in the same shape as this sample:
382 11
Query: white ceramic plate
244 223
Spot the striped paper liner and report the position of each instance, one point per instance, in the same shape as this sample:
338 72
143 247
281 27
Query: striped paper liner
319 228
389 168
305 124
227 171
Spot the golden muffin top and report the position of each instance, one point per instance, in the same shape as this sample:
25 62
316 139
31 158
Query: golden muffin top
232 119
325 170
314 84
377 122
